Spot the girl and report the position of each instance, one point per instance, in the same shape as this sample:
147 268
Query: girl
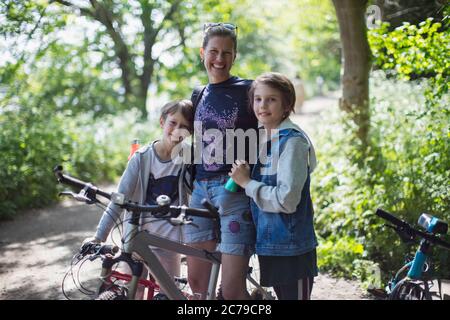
221 107
279 188
151 172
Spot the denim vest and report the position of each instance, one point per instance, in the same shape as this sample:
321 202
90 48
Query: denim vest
283 234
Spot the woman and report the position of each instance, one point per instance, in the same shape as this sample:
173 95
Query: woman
222 108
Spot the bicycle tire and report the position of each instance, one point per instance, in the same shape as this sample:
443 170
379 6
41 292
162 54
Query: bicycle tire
257 292
408 289
112 292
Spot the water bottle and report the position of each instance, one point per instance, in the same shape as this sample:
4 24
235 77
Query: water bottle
231 185
134 147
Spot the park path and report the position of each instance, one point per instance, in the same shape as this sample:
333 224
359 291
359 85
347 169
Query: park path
36 248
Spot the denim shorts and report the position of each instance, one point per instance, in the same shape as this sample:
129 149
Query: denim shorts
237 229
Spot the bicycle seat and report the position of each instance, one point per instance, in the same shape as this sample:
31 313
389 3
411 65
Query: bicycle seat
432 224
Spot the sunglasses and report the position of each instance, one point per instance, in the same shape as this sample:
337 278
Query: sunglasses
207 26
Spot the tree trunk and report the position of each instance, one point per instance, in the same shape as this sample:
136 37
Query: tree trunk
356 64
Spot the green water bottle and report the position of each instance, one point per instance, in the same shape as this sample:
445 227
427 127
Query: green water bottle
231 185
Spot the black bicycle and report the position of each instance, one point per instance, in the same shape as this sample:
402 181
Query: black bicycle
412 281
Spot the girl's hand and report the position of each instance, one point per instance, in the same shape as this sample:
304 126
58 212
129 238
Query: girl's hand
240 173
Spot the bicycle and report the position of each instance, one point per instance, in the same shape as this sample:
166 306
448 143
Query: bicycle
416 284
139 242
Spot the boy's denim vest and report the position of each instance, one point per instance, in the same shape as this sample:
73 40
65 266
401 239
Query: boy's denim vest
283 234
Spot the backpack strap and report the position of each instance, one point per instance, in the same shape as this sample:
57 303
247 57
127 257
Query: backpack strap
189 174
196 96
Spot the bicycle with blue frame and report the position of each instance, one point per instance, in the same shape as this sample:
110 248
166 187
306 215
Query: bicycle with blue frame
413 281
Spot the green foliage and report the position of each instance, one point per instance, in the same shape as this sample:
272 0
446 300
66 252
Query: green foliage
337 256
30 143
314 43
33 141
407 166
63 78
303 40
75 57
19 15
412 51
406 172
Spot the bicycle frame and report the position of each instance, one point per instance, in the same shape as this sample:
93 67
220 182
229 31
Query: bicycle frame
414 267
139 241
149 284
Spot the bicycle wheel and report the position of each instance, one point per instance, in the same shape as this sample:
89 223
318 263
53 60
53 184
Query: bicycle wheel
407 289
112 292
182 280
257 292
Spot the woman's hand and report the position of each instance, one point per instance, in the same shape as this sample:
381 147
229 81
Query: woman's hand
240 173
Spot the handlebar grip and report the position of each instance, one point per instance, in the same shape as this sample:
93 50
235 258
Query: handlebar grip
389 217
62 178
65 179
92 248
105 249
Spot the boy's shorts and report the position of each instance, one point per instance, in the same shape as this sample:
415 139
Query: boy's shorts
238 234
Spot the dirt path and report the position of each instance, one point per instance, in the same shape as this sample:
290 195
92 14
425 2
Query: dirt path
36 248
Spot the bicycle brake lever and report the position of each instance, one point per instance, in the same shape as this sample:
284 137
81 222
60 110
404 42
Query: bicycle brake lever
93 257
183 221
66 193
180 220
81 196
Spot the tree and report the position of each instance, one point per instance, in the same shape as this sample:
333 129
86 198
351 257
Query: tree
356 64
158 20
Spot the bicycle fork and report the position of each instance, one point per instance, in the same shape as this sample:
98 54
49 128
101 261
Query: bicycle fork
136 271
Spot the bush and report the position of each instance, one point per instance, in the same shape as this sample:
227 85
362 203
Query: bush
411 52
407 172
32 142
29 144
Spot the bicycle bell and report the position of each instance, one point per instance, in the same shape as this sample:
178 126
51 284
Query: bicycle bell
163 200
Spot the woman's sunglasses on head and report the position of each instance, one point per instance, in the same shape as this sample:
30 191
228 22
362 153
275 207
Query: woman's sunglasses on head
229 26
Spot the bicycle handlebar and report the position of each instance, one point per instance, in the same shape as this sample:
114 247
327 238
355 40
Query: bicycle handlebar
71 181
404 226
90 192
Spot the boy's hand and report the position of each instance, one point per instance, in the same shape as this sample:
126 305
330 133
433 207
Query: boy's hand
240 173
92 240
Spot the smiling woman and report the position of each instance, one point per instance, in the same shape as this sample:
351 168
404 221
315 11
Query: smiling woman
222 106
218 57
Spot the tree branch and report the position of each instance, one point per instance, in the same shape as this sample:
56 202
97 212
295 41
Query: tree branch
126 64
102 15
83 11
150 35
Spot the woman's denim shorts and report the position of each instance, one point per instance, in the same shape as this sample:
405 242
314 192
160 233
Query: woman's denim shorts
236 224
